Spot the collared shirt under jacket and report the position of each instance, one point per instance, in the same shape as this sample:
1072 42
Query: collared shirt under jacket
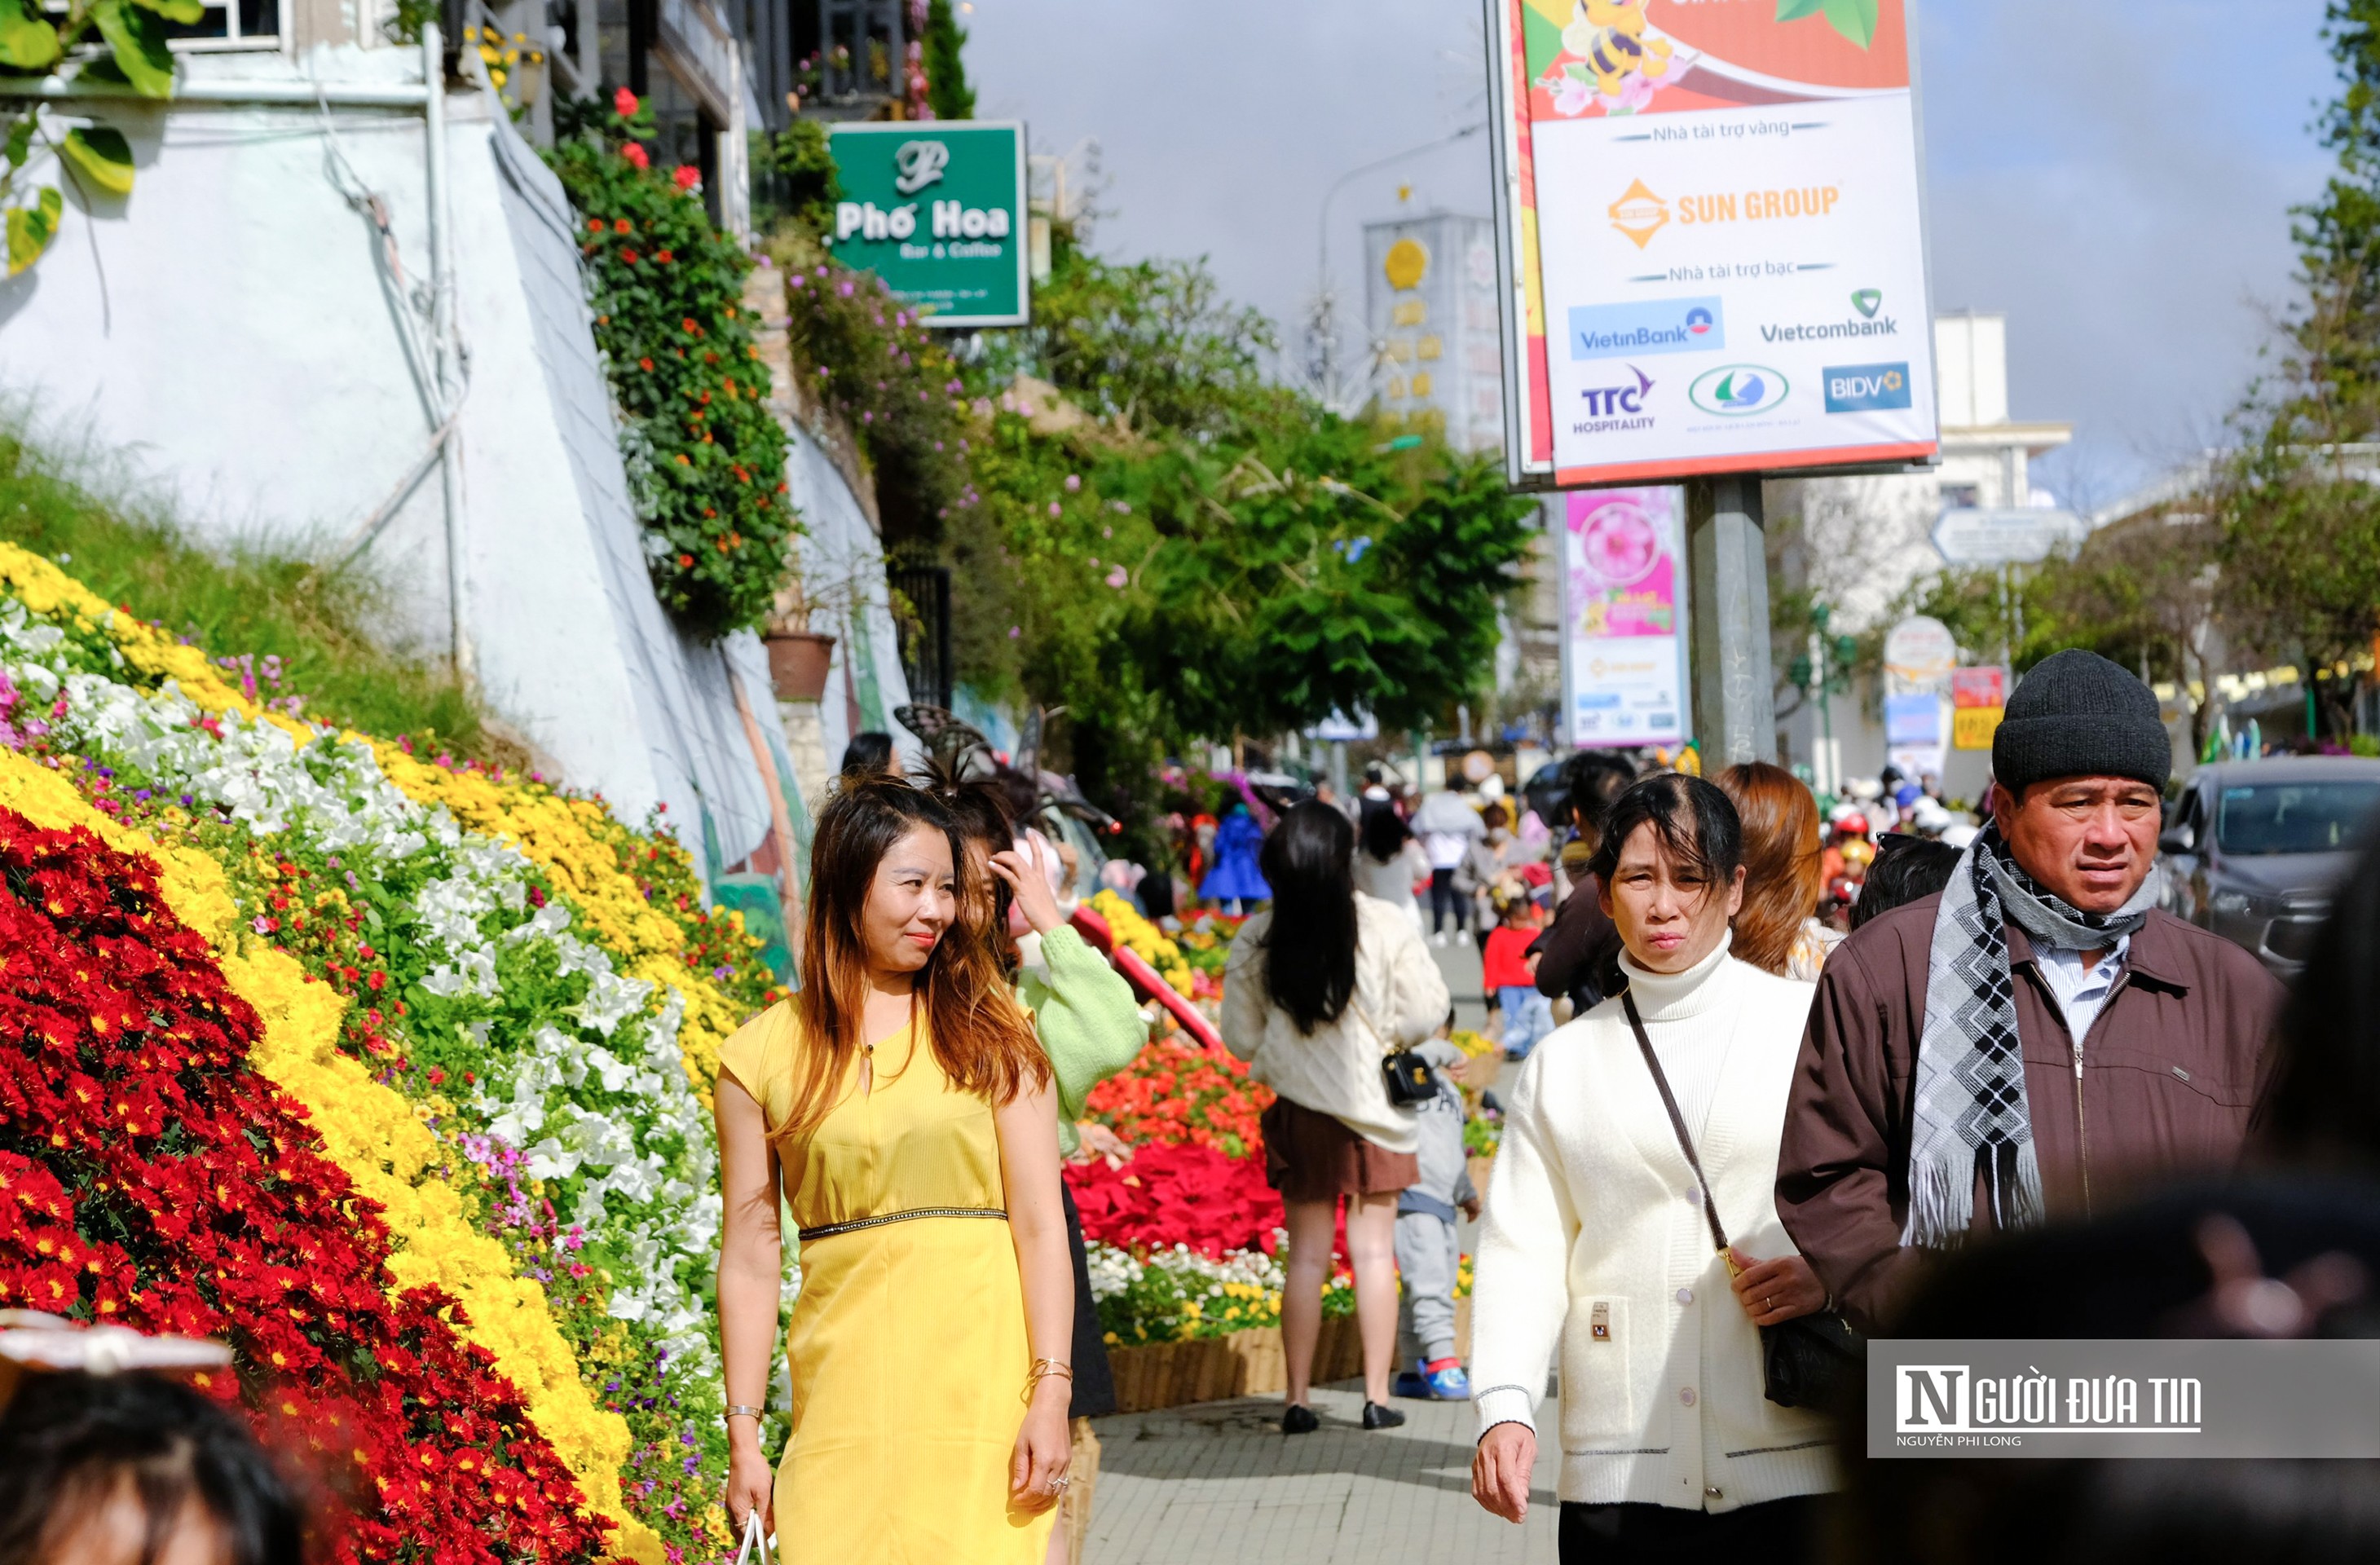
2160 1088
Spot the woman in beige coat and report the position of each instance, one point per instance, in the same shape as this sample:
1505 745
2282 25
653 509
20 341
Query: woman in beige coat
1321 988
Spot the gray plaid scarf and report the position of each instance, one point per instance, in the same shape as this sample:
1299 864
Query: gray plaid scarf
1971 1112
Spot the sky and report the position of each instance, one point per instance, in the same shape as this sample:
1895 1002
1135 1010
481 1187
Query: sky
2114 175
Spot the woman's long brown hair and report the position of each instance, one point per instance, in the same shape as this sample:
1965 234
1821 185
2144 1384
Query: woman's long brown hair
983 1039
1780 861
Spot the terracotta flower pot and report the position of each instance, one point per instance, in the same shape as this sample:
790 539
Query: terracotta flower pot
797 665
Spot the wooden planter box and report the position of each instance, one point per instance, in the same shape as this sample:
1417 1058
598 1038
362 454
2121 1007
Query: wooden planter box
1243 1363
797 665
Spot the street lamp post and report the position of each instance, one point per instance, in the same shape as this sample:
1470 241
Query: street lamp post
1323 366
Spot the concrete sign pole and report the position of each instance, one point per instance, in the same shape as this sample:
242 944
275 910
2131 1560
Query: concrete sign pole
1736 711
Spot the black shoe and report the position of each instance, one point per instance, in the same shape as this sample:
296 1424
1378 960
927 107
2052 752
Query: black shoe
1297 1420
1378 1417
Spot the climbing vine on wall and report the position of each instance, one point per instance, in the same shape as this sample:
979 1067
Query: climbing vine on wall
706 457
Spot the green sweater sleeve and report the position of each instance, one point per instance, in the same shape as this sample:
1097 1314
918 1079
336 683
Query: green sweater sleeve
1090 1024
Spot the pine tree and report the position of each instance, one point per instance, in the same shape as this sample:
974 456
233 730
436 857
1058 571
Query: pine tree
947 92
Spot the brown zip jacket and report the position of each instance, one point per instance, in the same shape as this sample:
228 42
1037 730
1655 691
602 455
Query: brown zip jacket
2168 1077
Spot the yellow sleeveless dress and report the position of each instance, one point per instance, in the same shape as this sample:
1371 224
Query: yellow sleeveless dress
908 1352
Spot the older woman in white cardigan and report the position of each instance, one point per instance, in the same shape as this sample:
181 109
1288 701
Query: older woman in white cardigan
1597 1241
1319 988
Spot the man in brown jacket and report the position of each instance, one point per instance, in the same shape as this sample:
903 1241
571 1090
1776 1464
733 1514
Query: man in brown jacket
2039 1039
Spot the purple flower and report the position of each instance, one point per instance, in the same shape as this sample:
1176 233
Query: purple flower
1074 482
1119 578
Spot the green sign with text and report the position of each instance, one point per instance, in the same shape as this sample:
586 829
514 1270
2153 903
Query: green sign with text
937 210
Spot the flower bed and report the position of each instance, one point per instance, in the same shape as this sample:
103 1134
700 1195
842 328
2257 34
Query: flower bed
1145 938
150 1174
1178 1092
498 1006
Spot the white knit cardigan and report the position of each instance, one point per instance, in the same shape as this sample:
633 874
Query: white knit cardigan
1335 1069
1596 1239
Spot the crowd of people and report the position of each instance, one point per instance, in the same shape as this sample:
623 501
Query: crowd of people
1772 1093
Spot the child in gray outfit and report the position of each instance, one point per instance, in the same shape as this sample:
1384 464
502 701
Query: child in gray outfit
1429 1254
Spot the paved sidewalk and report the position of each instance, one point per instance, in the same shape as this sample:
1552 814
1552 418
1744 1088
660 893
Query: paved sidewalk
1459 965
1219 1481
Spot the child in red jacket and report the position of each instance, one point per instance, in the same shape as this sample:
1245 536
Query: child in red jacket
1510 973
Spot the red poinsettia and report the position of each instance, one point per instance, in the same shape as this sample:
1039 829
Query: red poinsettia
148 1175
1179 1193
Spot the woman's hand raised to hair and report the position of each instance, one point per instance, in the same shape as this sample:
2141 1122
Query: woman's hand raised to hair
1774 1292
1028 882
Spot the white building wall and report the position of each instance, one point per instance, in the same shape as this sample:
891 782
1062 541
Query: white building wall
232 328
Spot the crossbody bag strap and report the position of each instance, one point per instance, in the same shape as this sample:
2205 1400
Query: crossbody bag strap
1677 1121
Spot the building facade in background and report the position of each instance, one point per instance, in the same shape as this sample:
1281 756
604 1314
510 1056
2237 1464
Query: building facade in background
1866 542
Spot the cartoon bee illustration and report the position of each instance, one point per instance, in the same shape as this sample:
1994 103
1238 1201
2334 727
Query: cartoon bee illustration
1609 36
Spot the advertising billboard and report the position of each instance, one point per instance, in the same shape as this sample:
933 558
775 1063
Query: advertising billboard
1624 616
937 210
1715 258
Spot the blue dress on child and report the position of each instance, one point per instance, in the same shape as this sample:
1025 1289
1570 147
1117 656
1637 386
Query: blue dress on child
1235 876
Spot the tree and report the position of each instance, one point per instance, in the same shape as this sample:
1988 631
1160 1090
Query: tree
2299 513
1182 550
2144 592
1150 346
947 93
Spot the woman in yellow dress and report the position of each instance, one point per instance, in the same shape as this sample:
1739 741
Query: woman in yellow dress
903 1108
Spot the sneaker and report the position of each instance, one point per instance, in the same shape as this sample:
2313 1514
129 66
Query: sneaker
1297 1420
1446 1380
1378 1417
1411 1383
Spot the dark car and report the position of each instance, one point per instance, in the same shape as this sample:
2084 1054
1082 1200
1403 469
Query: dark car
2251 849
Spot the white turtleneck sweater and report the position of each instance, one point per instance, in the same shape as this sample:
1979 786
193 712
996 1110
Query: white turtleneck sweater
1595 1243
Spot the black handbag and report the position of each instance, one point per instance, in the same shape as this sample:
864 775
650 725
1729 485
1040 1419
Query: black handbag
1410 1079
1408 1076
1812 1361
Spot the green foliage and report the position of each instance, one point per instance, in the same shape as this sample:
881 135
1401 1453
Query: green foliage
105 157
27 42
31 228
1160 592
2299 517
795 170
706 456
135 43
871 361
275 605
1152 345
947 93
32 40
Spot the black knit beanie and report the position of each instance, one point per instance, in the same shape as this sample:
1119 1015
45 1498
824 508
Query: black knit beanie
2079 715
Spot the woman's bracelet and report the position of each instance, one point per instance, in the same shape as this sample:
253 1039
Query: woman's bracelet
736 1410
1044 1368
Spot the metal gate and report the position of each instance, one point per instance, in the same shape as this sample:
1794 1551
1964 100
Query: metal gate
924 616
